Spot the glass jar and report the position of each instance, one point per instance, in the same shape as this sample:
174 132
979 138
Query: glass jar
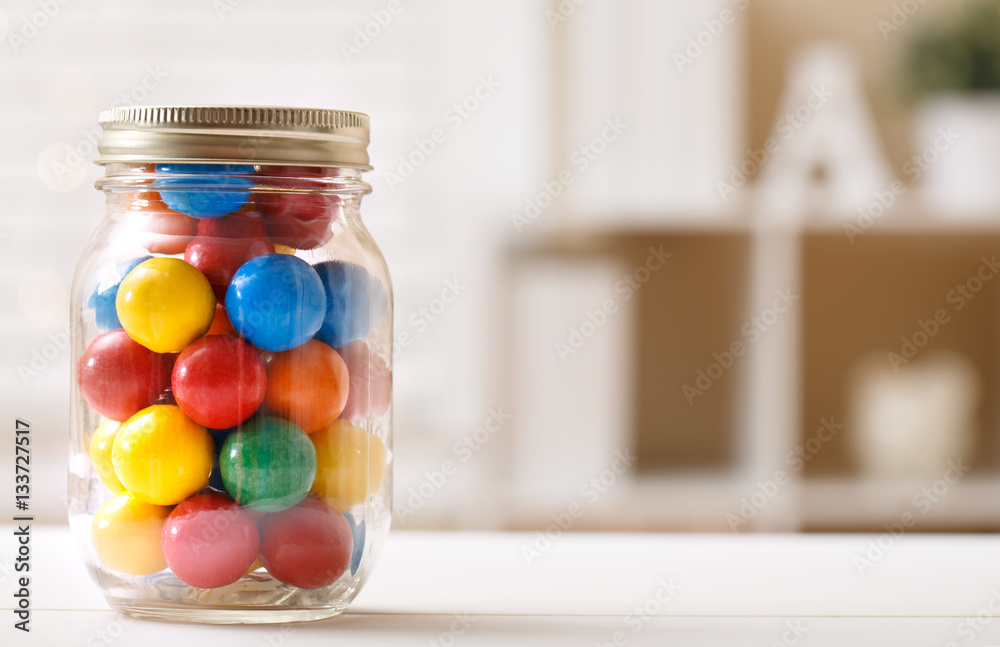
231 418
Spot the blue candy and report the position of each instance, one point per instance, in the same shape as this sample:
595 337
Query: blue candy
355 301
204 200
358 532
106 293
276 301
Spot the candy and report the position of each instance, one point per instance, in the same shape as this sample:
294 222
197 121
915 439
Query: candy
219 381
224 244
308 385
355 301
118 376
220 324
276 301
126 535
268 464
350 464
208 194
161 456
100 455
165 304
151 224
103 298
371 382
298 220
208 541
308 546
358 533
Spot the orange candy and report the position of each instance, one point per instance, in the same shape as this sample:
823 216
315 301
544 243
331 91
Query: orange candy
221 324
307 385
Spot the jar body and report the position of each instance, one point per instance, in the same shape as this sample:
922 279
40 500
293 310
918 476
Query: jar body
231 418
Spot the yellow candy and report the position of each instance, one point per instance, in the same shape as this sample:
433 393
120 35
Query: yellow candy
126 535
165 304
161 456
284 249
350 464
100 455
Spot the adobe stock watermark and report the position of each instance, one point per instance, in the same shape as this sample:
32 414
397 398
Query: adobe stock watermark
914 169
922 502
973 625
898 17
463 450
34 23
365 34
713 29
580 160
44 355
562 13
453 117
958 297
225 7
458 628
785 128
752 329
422 318
624 289
639 617
795 461
588 494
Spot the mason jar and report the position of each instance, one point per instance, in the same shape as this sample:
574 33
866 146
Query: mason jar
231 413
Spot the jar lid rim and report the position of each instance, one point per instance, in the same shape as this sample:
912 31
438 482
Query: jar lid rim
231 134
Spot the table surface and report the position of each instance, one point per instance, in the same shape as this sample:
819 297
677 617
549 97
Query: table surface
436 588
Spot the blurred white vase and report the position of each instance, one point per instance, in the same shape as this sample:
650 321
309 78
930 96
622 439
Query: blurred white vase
909 424
956 158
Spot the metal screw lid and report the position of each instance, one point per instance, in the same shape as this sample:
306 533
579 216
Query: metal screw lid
234 134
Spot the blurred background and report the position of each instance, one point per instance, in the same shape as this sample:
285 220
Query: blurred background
721 265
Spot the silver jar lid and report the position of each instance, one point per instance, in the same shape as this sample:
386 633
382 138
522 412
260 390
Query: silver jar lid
234 134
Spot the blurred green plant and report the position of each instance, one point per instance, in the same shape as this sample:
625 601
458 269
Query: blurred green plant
956 54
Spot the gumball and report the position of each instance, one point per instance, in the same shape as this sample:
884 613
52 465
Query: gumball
358 533
298 220
355 301
126 535
207 190
224 244
208 541
153 225
161 456
276 301
284 249
268 464
350 464
165 304
220 324
100 455
308 546
371 382
103 298
219 381
308 385
118 376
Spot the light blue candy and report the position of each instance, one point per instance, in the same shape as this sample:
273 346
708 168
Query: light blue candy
106 293
205 199
358 532
355 301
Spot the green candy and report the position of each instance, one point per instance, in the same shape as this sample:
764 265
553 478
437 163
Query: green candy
268 464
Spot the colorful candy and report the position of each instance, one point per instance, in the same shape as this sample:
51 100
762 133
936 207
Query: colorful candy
201 192
308 385
219 381
350 464
308 546
209 541
297 219
151 224
118 376
371 382
126 535
220 324
101 444
268 464
165 304
224 244
106 292
276 301
161 456
355 301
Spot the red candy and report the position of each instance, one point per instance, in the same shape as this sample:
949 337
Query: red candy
209 541
299 220
224 244
156 226
119 376
308 546
219 381
371 382
308 385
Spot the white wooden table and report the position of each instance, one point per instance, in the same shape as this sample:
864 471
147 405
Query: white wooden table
586 589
